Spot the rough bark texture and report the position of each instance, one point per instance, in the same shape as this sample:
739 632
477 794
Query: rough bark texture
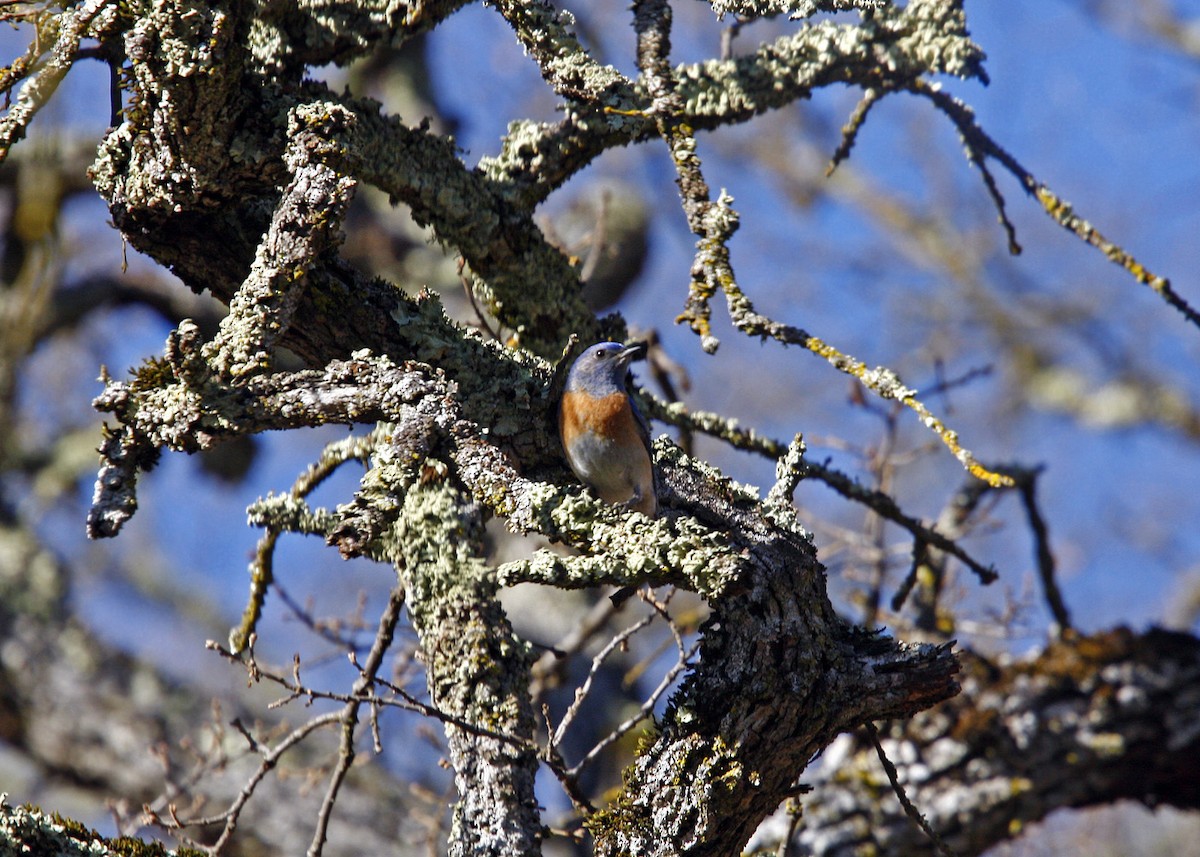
478 669
780 676
1089 721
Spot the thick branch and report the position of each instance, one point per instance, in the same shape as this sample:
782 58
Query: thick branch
305 226
794 8
780 675
478 671
606 110
291 37
197 202
1090 721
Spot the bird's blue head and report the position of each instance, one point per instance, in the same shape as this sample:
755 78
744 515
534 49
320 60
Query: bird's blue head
601 369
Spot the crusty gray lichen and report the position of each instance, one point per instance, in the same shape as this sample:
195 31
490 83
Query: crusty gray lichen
751 9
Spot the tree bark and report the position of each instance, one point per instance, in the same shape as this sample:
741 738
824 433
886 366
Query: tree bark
1089 721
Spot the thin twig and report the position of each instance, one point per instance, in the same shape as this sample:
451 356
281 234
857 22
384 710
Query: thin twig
795 814
989 182
324 628
366 678
636 671
640 715
685 657
909 810
270 758
885 506
547 671
333 456
597 662
920 559
405 702
664 371
749 440
1027 484
850 130
930 555
980 146
469 291
558 766
882 465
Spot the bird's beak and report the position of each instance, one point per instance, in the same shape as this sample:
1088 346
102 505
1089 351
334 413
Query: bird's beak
630 353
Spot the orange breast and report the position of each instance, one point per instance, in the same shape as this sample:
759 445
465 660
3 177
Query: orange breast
608 416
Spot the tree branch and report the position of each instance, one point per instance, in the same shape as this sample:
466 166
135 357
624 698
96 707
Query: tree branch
1089 721
779 676
477 669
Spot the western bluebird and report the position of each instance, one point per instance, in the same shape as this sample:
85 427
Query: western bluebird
606 440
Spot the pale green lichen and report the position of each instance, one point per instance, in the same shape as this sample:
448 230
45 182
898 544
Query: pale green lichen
290 513
29 830
923 37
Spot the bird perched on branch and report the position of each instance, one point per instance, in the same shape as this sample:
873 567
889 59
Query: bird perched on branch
606 439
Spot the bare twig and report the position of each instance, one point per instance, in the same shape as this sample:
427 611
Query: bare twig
850 130
665 371
795 811
930 556
884 505
349 716
685 657
270 758
549 669
750 440
405 702
980 147
584 689
355 448
882 465
909 810
469 291
1044 558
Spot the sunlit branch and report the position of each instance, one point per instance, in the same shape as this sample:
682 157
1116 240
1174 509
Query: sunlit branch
980 146
853 125
66 29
